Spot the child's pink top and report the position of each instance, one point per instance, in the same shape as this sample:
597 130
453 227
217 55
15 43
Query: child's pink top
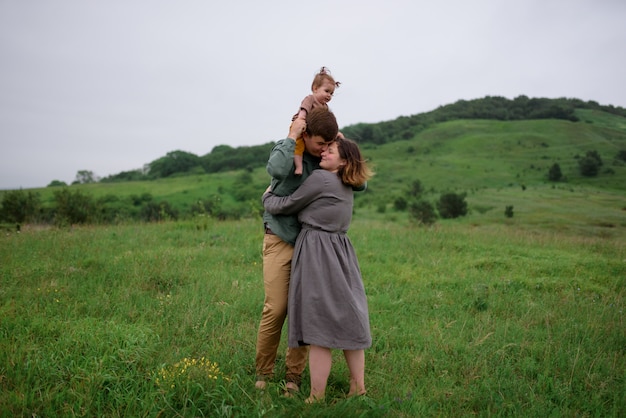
308 103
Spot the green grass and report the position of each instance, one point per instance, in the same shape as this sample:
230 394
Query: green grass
469 317
483 315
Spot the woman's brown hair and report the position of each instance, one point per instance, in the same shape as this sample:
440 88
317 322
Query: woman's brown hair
356 171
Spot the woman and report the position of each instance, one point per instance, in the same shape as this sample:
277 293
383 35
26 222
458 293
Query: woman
327 302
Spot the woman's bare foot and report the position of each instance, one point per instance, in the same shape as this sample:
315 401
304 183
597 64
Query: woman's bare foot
314 399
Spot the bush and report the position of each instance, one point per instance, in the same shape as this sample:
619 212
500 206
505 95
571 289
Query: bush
555 174
57 183
590 164
210 206
508 211
400 204
73 207
244 188
110 209
155 212
19 206
588 167
422 212
452 205
416 189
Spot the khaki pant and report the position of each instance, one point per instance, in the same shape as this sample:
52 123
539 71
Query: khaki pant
276 270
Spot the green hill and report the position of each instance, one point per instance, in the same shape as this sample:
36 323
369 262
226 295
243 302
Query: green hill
506 163
496 162
478 154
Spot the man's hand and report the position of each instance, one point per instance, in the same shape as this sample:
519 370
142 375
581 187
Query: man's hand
297 128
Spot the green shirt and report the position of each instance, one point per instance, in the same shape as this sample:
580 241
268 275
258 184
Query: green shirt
284 182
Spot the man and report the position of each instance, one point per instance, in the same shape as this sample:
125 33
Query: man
281 231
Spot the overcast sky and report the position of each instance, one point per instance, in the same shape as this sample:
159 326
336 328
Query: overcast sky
110 85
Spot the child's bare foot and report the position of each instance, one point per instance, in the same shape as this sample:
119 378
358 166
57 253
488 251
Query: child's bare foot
260 384
357 388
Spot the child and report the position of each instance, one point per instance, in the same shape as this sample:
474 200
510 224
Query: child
323 88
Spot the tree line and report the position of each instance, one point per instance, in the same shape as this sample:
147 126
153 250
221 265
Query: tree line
221 158
490 107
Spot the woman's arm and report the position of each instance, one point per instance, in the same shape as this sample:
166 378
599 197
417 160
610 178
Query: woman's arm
308 192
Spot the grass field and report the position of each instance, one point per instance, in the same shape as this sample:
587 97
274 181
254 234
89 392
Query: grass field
484 315
469 317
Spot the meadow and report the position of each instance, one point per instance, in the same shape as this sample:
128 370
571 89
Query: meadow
483 315
469 317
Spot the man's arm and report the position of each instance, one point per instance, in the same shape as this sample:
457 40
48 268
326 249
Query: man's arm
280 162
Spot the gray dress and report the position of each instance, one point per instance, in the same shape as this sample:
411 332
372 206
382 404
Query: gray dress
327 302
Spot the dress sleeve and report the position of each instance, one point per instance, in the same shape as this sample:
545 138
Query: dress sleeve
308 192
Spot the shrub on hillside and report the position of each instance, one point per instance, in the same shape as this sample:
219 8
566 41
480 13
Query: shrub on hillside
111 208
56 183
452 205
555 174
19 206
590 164
400 204
156 212
588 167
73 207
174 162
244 188
210 206
131 175
422 212
416 189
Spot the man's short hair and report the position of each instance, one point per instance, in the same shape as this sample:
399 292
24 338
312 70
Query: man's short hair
322 122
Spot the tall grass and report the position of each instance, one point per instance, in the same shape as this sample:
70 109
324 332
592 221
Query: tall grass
468 318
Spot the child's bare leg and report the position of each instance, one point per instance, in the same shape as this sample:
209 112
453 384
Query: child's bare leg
320 361
297 160
356 365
